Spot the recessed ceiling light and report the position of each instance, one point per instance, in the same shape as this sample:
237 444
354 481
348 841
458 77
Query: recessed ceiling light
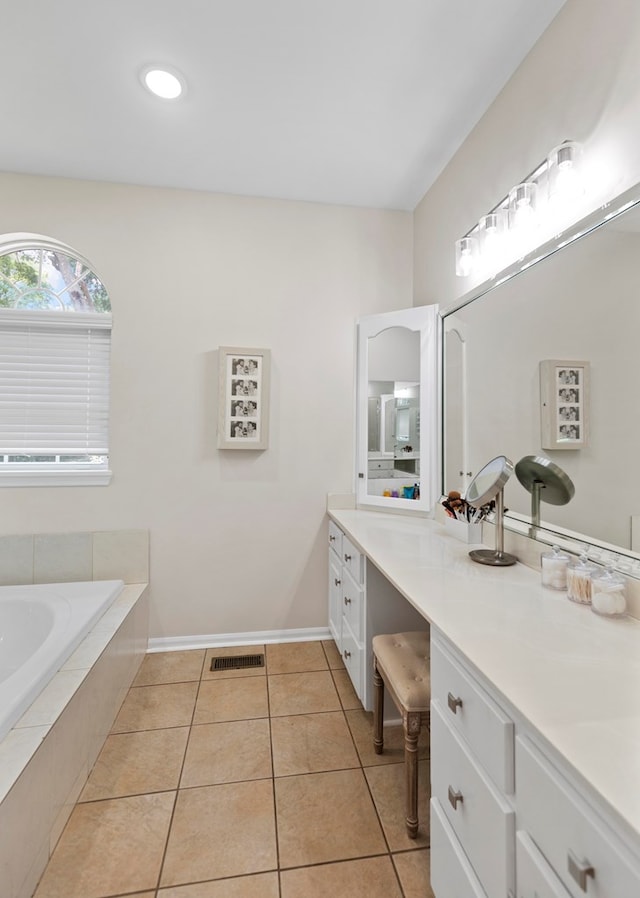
162 82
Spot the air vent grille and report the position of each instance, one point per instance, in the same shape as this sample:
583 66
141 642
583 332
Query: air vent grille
236 662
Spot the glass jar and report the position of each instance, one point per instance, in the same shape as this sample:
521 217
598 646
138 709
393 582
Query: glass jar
554 568
607 593
579 579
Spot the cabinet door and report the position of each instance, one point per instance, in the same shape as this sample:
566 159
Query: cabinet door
584 853
536 879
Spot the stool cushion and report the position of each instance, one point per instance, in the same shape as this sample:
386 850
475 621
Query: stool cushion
402 660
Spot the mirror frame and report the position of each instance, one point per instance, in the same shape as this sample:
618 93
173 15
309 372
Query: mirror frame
425 320
545 533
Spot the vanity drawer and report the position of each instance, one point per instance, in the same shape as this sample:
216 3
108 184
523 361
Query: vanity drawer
452 875
352 597
353 560
474 714
480 816
384 465
335 597
335 539
353 657
568 832
535 877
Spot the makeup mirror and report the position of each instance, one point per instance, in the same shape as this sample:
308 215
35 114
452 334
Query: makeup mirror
487 486
546 482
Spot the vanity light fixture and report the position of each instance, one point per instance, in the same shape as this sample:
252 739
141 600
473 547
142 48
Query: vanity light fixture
163 82
564 175
466 256
509 230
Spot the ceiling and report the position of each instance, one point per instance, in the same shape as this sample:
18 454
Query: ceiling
356 102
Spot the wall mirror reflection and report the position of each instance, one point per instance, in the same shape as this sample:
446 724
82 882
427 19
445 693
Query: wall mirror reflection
397 394
579 302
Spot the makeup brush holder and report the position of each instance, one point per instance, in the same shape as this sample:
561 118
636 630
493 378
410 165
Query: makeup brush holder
464 531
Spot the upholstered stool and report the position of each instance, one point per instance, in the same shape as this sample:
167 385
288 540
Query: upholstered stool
401 662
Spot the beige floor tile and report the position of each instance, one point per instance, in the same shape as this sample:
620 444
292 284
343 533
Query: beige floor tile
258 885
232 699
294 657
302 693
414 871
154 707
109 848
334 659
368 878
227 753
232 651
361 726
170 667
221 831
134 763
387 786
347 693
308 743
326 817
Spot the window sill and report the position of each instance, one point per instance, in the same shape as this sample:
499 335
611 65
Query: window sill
101 477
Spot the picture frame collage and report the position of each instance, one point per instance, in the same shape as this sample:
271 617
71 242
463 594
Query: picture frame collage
564 393
243 412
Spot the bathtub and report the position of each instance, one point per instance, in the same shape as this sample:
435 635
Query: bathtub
40 626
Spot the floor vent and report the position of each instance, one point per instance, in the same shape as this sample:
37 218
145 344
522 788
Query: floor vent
235 662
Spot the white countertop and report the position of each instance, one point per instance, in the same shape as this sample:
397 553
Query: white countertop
574 676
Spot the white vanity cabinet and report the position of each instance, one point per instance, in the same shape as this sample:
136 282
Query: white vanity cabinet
506 820
362 604
347 603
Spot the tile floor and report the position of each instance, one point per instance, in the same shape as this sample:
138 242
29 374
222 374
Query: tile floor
254 783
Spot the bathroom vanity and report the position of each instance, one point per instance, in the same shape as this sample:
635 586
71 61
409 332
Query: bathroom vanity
535 716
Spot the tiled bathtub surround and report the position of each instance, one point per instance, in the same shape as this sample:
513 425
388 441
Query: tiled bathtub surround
62 557
258 783
45 759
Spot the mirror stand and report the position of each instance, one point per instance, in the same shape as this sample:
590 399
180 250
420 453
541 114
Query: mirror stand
487 486
497 557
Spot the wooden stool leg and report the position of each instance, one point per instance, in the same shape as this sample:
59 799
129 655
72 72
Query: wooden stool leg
378 710
411 724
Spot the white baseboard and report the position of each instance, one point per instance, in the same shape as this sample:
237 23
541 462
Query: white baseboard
221 640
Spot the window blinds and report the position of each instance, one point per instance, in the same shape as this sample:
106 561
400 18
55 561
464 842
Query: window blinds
54 383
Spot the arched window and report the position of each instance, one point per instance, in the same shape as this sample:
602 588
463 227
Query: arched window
55 338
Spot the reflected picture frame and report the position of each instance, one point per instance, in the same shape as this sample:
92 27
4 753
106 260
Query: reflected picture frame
243 397
564 403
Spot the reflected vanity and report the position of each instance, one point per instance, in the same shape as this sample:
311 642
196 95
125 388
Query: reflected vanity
573 299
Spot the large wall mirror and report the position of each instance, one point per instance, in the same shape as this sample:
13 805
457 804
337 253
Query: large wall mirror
397 409
578 302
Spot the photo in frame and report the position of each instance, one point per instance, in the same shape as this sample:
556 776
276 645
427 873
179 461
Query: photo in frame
243 398
564 404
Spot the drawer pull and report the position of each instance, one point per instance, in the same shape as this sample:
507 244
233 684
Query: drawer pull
347 557
347 601
336 581
454 703
332 538
454 798
580 870
346 654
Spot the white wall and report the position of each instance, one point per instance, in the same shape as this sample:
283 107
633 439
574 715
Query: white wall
237 538
580 81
